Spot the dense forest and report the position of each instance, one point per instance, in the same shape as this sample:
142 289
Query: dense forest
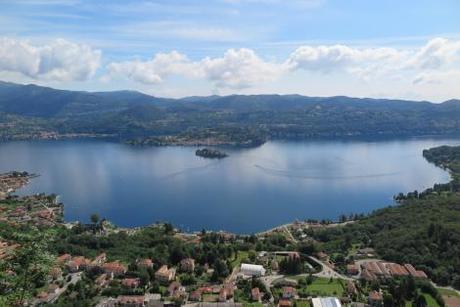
423 229
29 111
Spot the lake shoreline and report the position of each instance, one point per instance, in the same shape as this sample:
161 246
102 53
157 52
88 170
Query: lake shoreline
172 180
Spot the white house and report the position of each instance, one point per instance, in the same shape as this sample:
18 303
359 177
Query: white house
325 302
252 269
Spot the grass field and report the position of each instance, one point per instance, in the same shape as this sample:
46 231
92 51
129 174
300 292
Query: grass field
448 292
325 287
241 256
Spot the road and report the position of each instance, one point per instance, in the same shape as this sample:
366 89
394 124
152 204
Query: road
327 272
52 297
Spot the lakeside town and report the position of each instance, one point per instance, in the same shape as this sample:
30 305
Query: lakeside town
244 271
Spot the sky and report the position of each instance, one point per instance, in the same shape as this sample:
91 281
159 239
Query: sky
174 48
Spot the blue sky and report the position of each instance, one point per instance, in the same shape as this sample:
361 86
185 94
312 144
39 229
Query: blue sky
174 48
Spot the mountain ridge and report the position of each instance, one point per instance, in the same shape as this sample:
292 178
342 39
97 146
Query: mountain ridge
32 111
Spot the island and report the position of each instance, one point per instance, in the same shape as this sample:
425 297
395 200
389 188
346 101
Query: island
402 255
210 153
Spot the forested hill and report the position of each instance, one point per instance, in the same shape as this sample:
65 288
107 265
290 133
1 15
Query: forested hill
31 111
423 230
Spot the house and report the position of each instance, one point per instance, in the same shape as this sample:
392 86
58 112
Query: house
284 303
175 289
187 265
164 274
256 295
325 301
289 293
223 295
114 268
131 282
375 298
415 273
352 269
145 263
53 289
153 300
77 264
130 300
55 272
195 296
252 270
63 259
99 260
102 280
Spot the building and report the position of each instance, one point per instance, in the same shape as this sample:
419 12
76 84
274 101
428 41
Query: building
223 295
284 303
195 296
131 282
289 293
130 301
375 299
187 265
256 295
114 268
145 263
252 270
352 269
164 274
99 260
325 302
77 264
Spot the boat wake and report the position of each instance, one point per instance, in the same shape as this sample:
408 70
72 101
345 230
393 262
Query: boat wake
292 174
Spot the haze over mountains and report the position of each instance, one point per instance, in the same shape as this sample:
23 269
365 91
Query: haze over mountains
128 114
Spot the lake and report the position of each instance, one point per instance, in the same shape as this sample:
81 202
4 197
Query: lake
251 190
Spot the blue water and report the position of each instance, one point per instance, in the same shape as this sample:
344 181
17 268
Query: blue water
251 190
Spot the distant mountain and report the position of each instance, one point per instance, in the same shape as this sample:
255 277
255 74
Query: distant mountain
129 114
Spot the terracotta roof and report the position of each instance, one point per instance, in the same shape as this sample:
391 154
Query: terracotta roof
375 296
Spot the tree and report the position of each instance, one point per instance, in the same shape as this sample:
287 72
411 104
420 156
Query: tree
94 218
31 263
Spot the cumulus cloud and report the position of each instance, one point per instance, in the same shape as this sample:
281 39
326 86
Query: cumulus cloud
241 68
59 60
327 58
155 70
436 54
237 68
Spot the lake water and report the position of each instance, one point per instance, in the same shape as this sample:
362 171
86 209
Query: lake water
251 190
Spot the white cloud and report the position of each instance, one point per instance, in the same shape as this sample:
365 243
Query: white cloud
237 68
155 70
327 58
59 60
242 68
436 54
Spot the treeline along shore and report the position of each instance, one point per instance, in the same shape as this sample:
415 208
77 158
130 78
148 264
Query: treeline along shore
406 253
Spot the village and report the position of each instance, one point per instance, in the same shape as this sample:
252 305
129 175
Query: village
281 278
292 276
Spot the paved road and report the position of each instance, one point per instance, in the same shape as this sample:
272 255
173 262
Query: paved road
327 271
52 297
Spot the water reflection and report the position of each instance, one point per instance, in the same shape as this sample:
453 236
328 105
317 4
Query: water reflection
251 190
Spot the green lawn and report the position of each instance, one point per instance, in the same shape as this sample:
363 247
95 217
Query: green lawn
302 303
323 287
430 301
448 292
241 256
